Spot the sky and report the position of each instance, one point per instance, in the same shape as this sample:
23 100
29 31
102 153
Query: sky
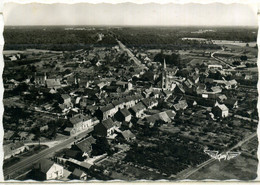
214 14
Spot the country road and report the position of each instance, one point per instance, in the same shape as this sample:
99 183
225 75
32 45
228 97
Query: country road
131 55
191 172
43 154
222 61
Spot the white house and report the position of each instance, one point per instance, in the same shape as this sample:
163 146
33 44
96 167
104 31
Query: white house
48 170
220 110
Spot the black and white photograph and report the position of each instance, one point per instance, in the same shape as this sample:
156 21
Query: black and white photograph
130 91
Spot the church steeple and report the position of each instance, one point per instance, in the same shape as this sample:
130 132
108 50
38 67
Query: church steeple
164 76
164 64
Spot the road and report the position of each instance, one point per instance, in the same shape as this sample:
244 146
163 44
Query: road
246 118
222 61
191 172
29 161
131 55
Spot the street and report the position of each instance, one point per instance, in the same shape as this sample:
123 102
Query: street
131 55
43 154
222 61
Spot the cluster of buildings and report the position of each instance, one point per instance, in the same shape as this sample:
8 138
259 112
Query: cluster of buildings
109 105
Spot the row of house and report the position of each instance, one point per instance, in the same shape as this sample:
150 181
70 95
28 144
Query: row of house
111 109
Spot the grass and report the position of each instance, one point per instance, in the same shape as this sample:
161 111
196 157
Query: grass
127 172
240 168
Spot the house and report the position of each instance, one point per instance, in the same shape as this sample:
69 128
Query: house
210 80
74 154
48 170
179 88
72 80
105 128
124 85
204 71
105 112
79 122
118 104
167 93
123 115
181 105
81 165
128 135
83 102
215 66
201 88
138 110
8 134
78 174
165 116
171 114
220 110
40 78
149 76
149 102
155 94
13 149
248 77
101 85
112 89
66 99
84 146
146 93
84 82
53 83
129 102
216 89
13 58
231 84
44 128
196 70
188 86
231 103
221 97
194 78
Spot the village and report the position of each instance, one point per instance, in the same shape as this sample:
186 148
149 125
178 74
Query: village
117 113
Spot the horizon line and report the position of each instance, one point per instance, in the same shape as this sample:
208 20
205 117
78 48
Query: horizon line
256 26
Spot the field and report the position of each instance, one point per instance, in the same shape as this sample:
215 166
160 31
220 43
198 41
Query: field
241 167
236 43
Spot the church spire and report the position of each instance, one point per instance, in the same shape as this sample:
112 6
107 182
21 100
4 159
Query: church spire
164 64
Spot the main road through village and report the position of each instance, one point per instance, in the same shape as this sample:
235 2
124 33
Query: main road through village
29 161
131 55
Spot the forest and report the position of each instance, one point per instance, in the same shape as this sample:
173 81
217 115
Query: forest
61 39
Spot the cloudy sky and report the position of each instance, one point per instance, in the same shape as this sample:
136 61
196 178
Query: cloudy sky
130 14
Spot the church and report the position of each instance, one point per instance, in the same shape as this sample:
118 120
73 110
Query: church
168 81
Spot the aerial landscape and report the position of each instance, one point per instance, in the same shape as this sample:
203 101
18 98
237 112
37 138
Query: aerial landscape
125 102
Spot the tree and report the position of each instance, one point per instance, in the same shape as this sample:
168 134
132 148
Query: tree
237 63
131 69
173 59
243 57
